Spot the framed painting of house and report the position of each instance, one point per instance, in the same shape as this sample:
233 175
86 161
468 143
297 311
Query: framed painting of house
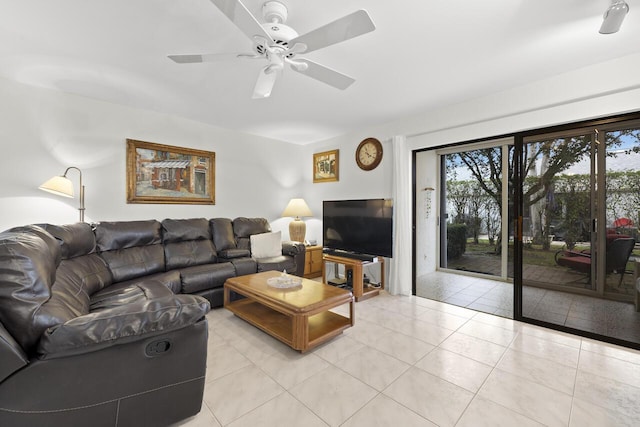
165 174
325 166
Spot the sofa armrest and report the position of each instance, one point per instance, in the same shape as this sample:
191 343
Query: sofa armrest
292 248
121 324
295 250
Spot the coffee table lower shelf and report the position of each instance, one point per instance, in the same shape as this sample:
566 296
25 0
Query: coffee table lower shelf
300 332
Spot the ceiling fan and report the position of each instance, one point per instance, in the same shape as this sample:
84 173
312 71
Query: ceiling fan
280 44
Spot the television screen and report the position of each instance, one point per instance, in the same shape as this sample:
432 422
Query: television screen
359 226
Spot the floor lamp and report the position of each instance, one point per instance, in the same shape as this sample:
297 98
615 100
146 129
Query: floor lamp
297 228
62 186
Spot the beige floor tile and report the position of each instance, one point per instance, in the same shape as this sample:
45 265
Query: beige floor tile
403 347
290 367
491 333
235 394
501 322
474 348
383 411
459 370
443 319
424 331
281 411
373 367
542 371
367 332
551 335
224 359
338 348
610 394
333 395
610 367
611 350
439 401
485 413
546 349
586 414
542 404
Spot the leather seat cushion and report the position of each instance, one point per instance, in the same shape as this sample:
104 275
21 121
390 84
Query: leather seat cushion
201 277
278 263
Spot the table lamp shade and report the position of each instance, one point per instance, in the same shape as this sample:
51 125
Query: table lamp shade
297 228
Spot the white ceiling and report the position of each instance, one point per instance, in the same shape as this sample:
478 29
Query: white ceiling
423 54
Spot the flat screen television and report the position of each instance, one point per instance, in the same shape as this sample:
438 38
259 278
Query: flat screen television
358 226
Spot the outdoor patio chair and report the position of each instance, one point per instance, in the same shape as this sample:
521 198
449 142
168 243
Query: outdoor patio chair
618 252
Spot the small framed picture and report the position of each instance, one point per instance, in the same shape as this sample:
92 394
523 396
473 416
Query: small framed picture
325 166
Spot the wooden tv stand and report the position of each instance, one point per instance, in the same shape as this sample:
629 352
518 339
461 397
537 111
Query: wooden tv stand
360 291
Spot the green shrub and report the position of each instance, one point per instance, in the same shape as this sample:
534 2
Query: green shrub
456 240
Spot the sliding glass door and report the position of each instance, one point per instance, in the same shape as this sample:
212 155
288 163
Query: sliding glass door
580 204
474 208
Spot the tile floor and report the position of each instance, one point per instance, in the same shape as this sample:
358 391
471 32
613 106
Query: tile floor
410 361
486 295
586 313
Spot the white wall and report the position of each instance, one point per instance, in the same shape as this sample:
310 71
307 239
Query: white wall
44 131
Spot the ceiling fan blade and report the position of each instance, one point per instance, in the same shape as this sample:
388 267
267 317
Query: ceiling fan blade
323 74
207 57
345 28
266 80
242 18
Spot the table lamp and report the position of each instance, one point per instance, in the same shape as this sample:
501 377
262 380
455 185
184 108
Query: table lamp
297 228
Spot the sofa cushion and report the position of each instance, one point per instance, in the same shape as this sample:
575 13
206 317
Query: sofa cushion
266 245
29 257
74 239
131 248
179 230
244 228
222 233
234 253
187 242
76 280
123 293
279 263
127 234
245 266
201 277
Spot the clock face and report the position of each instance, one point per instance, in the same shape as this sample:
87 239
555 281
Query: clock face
369 154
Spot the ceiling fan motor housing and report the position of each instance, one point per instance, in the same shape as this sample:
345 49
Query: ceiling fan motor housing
274 11
280 33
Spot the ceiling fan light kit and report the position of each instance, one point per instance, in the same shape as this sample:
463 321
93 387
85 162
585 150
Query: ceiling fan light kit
279 44
614 16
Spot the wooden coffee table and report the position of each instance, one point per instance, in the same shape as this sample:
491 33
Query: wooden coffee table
299 317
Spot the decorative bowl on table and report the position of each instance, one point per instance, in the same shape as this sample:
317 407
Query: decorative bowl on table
284 281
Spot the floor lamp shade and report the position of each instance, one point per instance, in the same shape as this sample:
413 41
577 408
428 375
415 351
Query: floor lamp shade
297 228
62 186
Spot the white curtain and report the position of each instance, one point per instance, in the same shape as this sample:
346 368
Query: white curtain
400 270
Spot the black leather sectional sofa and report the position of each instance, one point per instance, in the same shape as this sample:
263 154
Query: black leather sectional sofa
104 324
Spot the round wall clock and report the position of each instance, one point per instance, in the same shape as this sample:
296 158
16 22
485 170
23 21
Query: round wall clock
369 154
